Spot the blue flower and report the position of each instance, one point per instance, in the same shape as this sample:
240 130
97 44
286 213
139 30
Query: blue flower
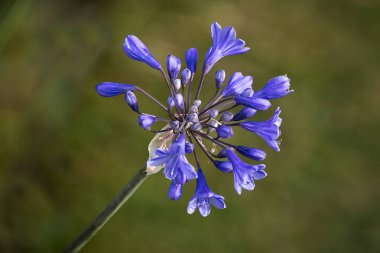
175 161
191 58
224 43
259 104
268 130
237 84
207 124
174 66
109 89
136 50
244 173
146 120
203 197
276 88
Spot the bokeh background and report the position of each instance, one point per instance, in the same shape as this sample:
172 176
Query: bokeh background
65 151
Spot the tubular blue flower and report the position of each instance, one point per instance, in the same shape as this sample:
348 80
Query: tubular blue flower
109 89
131 100
175 161
191 57
224 43
146 120
203 197
259 104
268 130
136 50
185 77
237 84
244 113
224 131
220 75
276 88
252 153
244 174
174 66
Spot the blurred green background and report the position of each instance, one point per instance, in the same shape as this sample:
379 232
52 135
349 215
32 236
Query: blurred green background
65 151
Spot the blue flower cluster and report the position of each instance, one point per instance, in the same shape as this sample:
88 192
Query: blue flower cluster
209 124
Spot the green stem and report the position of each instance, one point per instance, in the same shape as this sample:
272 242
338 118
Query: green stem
108 212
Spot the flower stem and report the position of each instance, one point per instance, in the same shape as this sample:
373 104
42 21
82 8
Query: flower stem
108 212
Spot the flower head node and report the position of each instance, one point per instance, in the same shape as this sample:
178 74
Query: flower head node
208 127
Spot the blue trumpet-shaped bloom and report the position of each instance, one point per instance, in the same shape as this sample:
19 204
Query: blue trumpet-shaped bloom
276 88
268 130
136 50
224 43
110 89
237 84
175 161
244 173
204 198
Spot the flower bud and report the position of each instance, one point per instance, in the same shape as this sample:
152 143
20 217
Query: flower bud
213 113
224 131
171 103
247 92
191 57
174 66
146 120
131 100
197 102
189 147
178 100
185 76
196 126
177 84
226 116
220 75
223 166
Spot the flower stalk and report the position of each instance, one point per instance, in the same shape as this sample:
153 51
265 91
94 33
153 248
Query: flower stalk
93 228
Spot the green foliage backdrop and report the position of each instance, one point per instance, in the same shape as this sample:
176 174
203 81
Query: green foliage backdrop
65 152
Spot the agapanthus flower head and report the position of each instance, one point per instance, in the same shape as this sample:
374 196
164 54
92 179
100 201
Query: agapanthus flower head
190 126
